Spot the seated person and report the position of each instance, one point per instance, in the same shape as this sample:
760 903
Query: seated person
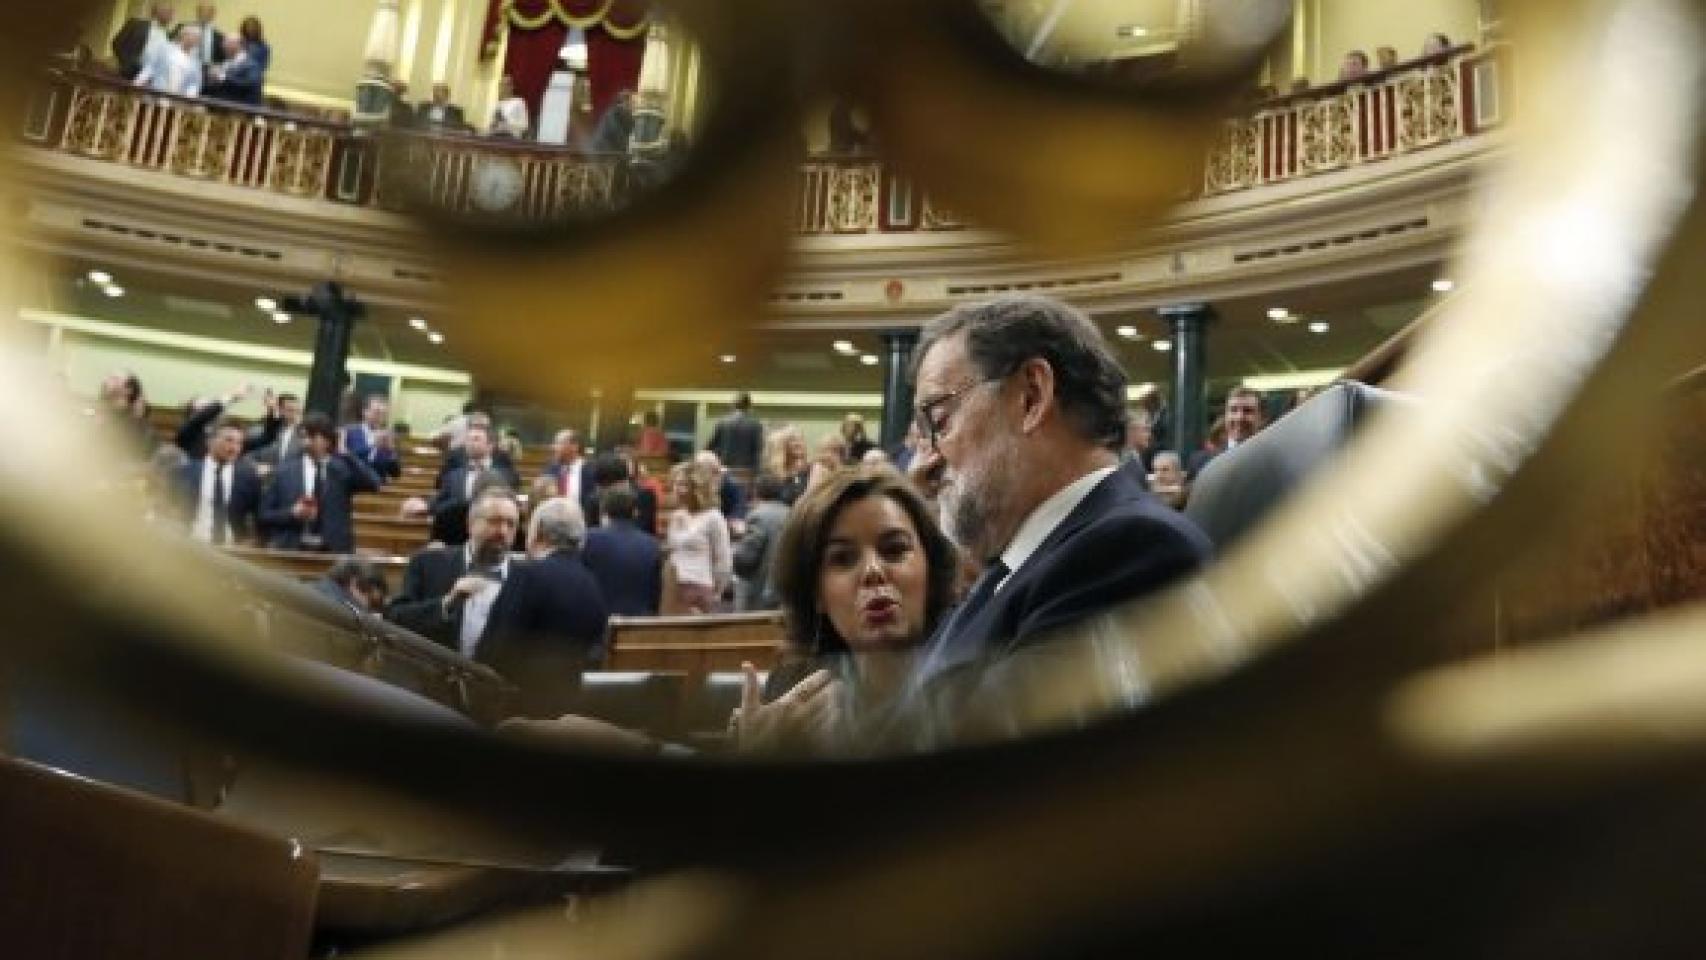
448 592
439 114
864 575
356 584
311 502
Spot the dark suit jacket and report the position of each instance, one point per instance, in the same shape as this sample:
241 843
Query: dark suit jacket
345 477
545 628
450 504
419 606
628 565
738 440
459 457
1117 544
192 434
243 508
130 43
383 460
589 486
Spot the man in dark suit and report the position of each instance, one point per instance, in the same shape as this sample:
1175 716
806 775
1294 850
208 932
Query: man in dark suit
623 558
371 442
548 623
572 474
440 114
283 425
611 471
459 486
1023 407
220 493
448 592
311 503
738 439
131 43
1243 419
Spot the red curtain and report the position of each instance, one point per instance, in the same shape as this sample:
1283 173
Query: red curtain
612 66
613 63
531 60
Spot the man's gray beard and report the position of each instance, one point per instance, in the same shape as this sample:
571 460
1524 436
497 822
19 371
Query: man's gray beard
968 516
489 554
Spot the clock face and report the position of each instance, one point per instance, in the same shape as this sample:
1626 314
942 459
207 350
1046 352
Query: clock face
497 184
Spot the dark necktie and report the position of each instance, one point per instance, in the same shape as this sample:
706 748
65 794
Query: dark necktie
221 509
978 598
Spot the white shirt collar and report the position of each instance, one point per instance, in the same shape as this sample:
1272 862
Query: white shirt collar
1042 521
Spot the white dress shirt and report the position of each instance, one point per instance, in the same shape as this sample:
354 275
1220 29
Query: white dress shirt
202 527
310 477
1042 521
510 118
478 608
569 481
168 69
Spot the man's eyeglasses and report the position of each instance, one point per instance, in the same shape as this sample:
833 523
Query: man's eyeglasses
933 415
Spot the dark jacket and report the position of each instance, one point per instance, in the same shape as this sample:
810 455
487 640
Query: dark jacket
738 440
419 605
242 509
756 553
545 628
450 504
628 565
383 460
589 486
344 477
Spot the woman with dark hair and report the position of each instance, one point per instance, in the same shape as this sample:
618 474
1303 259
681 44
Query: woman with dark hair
243 78
864 574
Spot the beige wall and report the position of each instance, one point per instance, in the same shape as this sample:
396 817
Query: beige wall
1340 26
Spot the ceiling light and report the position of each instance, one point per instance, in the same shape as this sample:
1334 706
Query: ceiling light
1130 333
281 318
114 290
419 323
1162 345
436 337
1442 285
267 304
728 358
1278 313
1320 326
100 276
845 347
869 360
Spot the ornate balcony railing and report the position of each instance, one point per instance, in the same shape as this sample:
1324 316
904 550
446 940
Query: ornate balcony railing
1416 105
1449 97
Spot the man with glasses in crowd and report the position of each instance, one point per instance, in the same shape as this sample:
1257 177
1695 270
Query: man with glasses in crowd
1022 410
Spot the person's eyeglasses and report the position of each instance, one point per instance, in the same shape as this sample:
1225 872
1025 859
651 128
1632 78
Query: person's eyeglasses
933 415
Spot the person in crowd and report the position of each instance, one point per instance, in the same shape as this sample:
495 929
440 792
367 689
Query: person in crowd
1139 442
1385 58
831 456
616 127
457 456
510 117
448 592
283 423
311 502
124 405
461 485
1435 44
908 449
755 556
624 558
174 68
220 492
440 114
403 115
1354 67
371 440
846 134
162 485
512 446
139 40
571 471
858 444
731 499
864 576
615 470
651 441
357 584
738 439
1167 482
211 50
1242 419
698 538
1023 405
547 624
785 456
242 78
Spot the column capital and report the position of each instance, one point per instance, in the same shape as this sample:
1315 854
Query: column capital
1184 312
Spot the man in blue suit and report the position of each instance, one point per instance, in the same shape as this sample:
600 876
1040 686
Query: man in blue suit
624 559
221 493
1022 406
371 440
311 503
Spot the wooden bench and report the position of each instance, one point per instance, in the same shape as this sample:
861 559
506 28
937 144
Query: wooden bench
695 645
391 535
304 565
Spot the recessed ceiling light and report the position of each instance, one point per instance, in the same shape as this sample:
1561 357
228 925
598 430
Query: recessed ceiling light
436 337
100 276
267 304
869 360
281 318
113 290
1162 345
1320 326
845 347
419 323
1278 313
1442 285
728 358
1130 333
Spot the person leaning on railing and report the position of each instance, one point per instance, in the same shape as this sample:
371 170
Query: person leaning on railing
242 78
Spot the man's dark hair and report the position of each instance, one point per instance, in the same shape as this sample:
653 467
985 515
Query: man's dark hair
227 423
1002 334
319 425
491 489
743 401
609 470
618 503
767 486
1252 393
353 573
